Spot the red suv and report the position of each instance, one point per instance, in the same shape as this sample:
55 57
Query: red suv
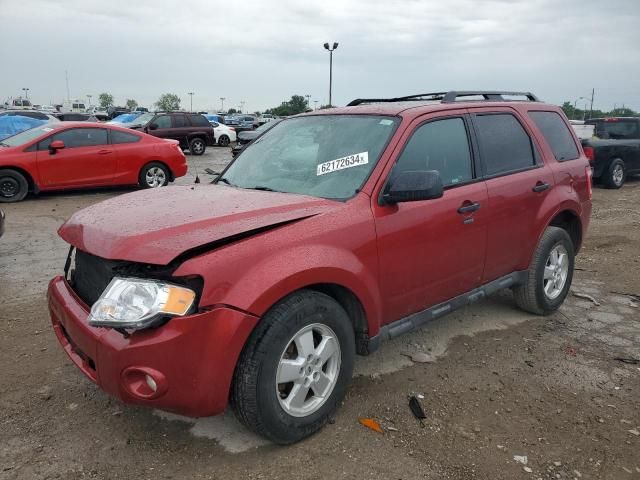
337 230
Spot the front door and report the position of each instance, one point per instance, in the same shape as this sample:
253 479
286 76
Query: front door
433 250
87 158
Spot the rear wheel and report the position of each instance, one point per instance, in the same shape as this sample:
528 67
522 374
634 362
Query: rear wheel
223 141
13 186
154 175
615 175
549 275
197 146
295 368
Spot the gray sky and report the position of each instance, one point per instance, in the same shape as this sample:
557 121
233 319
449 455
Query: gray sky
262 52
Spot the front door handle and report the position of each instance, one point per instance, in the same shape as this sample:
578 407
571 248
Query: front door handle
541 187
469 207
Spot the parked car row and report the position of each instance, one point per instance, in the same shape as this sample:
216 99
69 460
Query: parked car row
63 155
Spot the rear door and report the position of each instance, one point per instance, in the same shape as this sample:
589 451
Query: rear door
518 182
181 128
429 251
87 158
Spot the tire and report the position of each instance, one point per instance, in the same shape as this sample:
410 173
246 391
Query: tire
197 146
224 141
615 175
269 407
154 175
540 295
13 186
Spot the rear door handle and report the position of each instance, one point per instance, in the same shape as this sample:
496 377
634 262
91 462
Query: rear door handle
468 207
541 187
104 152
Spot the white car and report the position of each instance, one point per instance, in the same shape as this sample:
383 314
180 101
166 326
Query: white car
50 109
224 134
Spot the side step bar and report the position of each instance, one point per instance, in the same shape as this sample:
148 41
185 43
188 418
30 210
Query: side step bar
416 320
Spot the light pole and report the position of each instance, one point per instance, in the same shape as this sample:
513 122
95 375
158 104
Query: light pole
315 103
190 101
242 102
330 49
575 102
26 93
308 101
222 104
89 97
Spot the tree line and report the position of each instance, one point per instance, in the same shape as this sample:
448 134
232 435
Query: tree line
575 113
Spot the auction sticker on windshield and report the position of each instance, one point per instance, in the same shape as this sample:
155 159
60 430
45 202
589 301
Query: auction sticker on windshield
349 161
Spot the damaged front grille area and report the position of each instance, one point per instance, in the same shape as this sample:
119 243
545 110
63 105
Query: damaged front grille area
90 275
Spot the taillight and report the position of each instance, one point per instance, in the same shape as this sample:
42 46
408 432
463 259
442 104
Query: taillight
590 154
231 128
589 173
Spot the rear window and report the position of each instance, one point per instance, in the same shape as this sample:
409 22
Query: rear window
199 121
615 129
504 145
556 134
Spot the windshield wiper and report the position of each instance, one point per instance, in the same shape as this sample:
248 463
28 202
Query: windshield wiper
224 180
2 144
264 189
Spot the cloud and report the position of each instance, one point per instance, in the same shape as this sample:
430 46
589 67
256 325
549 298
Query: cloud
263 52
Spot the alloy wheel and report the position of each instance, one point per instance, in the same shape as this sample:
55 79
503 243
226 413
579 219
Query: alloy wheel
617 175
308 370
556 271
155 177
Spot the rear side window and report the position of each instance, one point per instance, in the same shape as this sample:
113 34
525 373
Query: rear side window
440 145
118 137
199 121
179 121
556 134
504 145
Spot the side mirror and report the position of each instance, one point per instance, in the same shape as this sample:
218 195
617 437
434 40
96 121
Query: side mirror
153 126
413 186
55 146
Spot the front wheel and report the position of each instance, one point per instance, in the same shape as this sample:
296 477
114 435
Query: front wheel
295 368
549 275
154 175
223 141
13 186
197 146
615 175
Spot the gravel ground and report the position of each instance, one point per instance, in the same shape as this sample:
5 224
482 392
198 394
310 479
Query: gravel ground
502 384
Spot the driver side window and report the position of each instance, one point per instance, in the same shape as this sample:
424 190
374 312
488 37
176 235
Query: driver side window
440 145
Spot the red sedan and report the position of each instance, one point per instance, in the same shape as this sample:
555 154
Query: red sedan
85 155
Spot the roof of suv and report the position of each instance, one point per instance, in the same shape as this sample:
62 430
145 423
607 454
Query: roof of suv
430 102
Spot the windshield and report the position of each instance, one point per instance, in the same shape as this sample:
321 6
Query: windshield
126 118
143 119
26 136
328 156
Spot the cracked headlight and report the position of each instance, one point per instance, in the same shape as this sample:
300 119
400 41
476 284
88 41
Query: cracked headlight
135 303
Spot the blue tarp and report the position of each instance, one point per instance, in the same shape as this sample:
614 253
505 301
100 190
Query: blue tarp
12 124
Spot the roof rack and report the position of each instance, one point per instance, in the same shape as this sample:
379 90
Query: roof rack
448 97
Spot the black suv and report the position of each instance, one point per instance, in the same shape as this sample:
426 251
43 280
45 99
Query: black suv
192 130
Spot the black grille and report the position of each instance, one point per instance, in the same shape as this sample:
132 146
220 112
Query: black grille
92 274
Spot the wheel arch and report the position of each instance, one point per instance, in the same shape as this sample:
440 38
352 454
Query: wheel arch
569 221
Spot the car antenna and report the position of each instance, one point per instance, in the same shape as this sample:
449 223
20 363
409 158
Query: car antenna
197 175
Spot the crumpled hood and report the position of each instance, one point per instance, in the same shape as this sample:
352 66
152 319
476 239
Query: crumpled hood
155 226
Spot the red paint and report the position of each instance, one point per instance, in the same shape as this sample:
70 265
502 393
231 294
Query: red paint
395 259
93 166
